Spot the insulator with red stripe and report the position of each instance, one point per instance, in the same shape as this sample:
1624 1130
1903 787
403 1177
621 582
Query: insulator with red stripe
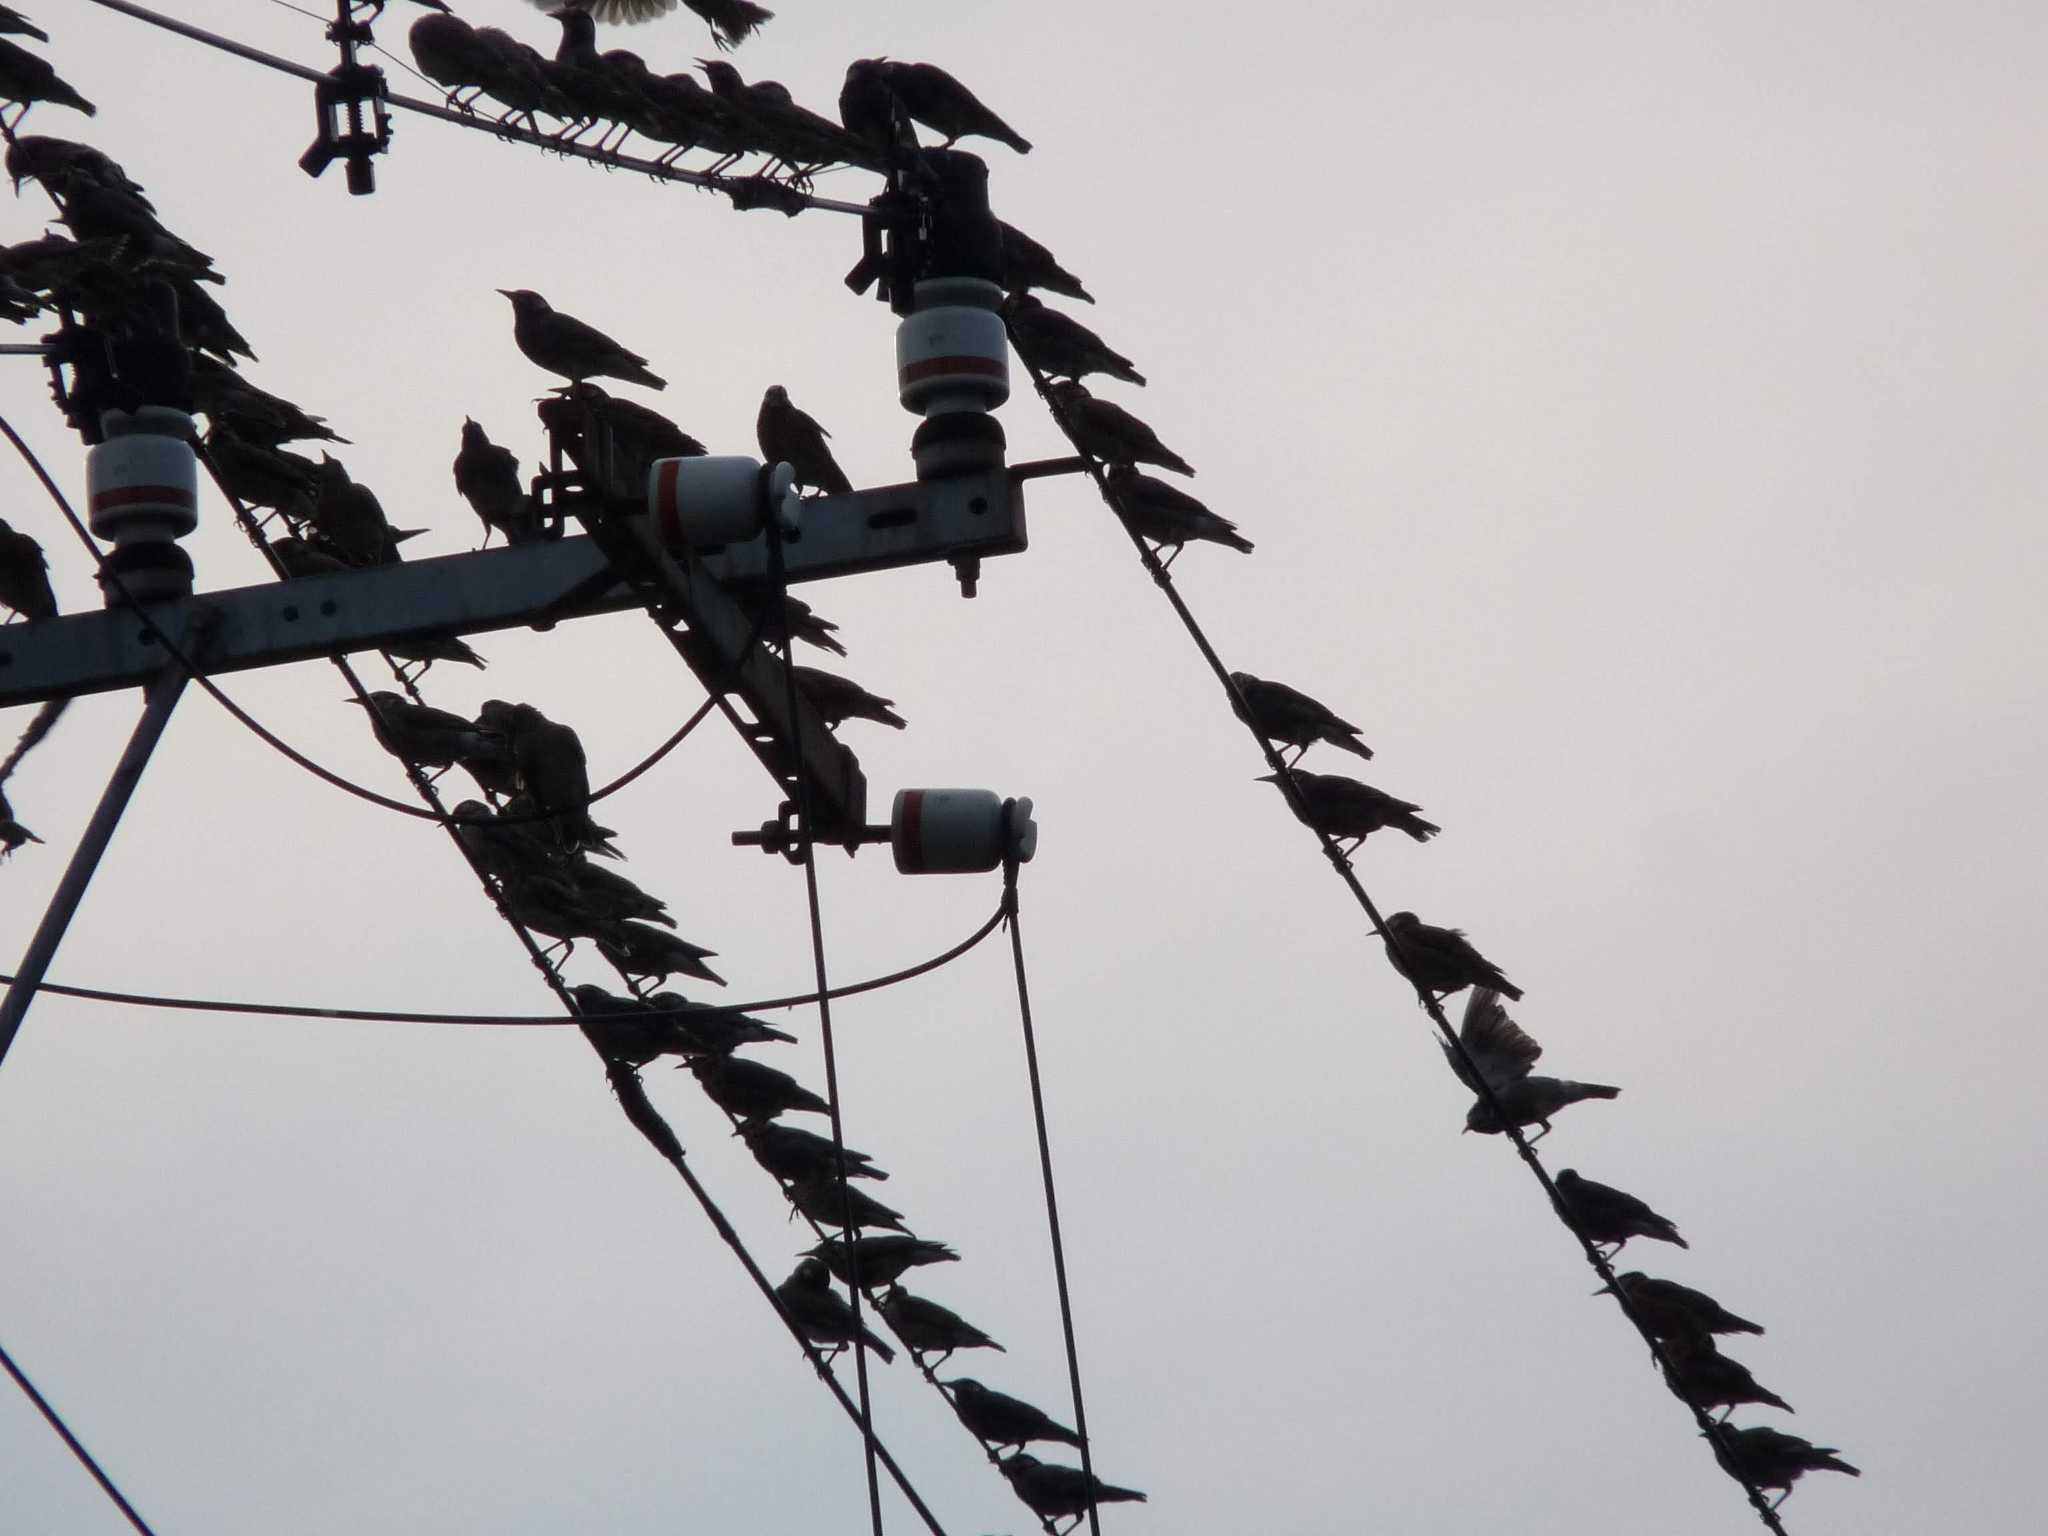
953 368
142 493
703 502
959 831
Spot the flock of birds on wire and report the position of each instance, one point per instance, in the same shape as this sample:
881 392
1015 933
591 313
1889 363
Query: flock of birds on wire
121 271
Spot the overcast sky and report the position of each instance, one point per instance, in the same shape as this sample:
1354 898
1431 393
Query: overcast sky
1637 412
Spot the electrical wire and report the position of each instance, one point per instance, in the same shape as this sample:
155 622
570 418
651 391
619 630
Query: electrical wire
76 1446
1341 864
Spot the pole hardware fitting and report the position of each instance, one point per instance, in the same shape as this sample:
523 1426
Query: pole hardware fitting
339 100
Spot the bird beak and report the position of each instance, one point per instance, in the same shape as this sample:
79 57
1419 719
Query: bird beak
1267 778
1605 1290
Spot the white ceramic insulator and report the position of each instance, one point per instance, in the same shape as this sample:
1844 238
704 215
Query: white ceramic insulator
143 485
947 831
707 501
952 358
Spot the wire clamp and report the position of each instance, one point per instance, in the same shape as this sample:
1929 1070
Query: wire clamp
338 103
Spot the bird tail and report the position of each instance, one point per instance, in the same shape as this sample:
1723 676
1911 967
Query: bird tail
1235 540
1765 1395
64 96
889 717
1666 1232
1575 1092
1422 831
1733 1324
1123 370
732 21
1350 744
643 376
1168 459
1512 992
1827 1460
1119 1496
880 1348
1022 145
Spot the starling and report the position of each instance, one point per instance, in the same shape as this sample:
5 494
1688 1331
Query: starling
835 1205
1441 960
640 436
928 1328
1060 346
262 477
639 950
301 559
716 1033
623 1028
100 211
796 616
1768 1458
1052 1491
417 733
565 345
1002 1420
1707 1379
839 699
1104 430
25 576
252 415
732 22
1608 1217
869 110
505 849
487 477
549 758
1027 264
447 51
792 1153
748 1090
491 764
614 895
947 107
57 162
349 517
516 77
1673 1311
775 123
1291 718
1503 1055
789 436
880 1260
12 21
12 833
27 79
549 904
1344 808
821 1314
1168 516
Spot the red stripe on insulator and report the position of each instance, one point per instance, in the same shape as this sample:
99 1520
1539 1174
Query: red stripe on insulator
913 829
174 495
668 516
987 367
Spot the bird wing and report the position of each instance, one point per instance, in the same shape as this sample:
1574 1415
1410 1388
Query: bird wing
1498 1046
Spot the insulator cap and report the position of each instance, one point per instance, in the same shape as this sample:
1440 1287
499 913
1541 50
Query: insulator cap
958 443
150 572
704 502
953 353
959 831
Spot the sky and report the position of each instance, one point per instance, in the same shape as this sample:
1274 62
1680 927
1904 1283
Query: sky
1635 410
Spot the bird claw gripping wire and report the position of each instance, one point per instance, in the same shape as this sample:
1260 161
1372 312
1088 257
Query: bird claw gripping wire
339 100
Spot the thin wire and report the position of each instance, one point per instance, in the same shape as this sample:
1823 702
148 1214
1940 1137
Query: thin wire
77 1448
1052 1204
498 130
512 1020
1343 867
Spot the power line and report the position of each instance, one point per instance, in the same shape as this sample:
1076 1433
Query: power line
77 1447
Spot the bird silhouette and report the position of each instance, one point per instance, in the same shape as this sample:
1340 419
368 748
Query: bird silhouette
1673 1311
1441 960
1769 1458
821 1314
839 699
880 1260
487 477
1002 1420
930 1329
947 107
1291 718
1502 1056
1344 808
564 345
789 436
1054 1492
1059 345
25 575
1608 1217
1104 430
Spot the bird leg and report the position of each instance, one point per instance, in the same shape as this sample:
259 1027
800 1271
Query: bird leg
1540 1134
1781 1498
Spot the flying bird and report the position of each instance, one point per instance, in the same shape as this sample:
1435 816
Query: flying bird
1769 1458
1059 345
944 105
25 575
1502 1055
840 699
1291 718
1673 1311
821 1314
732 22
928 1328
789 436
1003 1420
1104 430
1607 1217
563 344
1441 960
1341 808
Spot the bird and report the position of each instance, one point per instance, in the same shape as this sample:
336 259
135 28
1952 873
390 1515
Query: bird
1027 264
1607 1217
563 344
252 415
417 733
487 477
1059 345
449 53
614 895
12 21
549 904
747 1090
821 1314
57 162
709 1031
1104 430
640 435
639 950
775 124
928 1328
1501 1056
880 1260
27 79
25 575
1051 1490
825 1200
790 436
1441 960
1673 1311
1341 808
262 477
1291 718
12 833
621 1029
732 22
349 517
870 111
506 849
795 616
1003 1420
1168 516
1769 1458
1699 1374
491 764
95 210
792 1153
944 105
548 757
839 699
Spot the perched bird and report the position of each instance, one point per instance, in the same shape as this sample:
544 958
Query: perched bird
1168 516
417 733
624 1028
869 110
95 210
614 895
1503 1055
1291 718
1769 1458
516 77
504 849
549 758
947 107
543 901
263 477
928 1328
840 699
252 415
789 436
640 436
446 49
27 79
639 950
487 477
1059 345
1707 1379
709 1031
1052 1491
879 1260
1027 264
1104 430
495 770
774 123
1441 960
1343 808
12 833
835 1205
350 518
1002 1420
301 559
792 1153
1609 1217
821 1314
563 344
56 163
1673 1311
25 575
795 615
12 21
748 1090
